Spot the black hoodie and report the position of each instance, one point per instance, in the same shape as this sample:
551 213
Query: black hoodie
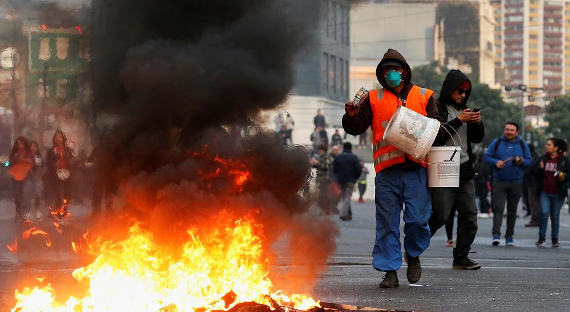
475 132
359 123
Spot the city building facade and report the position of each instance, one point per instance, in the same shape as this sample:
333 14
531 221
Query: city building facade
322 72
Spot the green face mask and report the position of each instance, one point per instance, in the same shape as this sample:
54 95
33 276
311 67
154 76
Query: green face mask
393 78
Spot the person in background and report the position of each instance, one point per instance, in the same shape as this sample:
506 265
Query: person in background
336 138
289 123
21 164
530 193
323 163
482 180
35 187
449 228
509 154
279 121
362 138
284 135
59 164
316 139
347 169
335 151
319 120
552 175
362 182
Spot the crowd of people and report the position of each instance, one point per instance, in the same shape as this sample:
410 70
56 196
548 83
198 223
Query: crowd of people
45 183
337 175
509 169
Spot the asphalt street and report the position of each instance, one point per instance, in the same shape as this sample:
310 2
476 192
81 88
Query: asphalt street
520 278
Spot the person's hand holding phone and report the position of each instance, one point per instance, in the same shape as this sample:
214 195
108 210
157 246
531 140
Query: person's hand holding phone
476 116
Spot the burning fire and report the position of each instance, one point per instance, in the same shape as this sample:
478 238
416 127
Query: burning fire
215 269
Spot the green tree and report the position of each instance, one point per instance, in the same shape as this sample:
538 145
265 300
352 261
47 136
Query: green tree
494 110
558 117
429 76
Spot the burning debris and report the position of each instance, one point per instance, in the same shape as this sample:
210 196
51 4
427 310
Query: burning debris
201 207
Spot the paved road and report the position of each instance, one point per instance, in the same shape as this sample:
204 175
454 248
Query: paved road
521 278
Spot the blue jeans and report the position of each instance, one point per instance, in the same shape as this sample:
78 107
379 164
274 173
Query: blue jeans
394 188
550 204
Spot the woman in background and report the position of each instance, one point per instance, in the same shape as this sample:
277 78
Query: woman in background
21 164
59 163
552 176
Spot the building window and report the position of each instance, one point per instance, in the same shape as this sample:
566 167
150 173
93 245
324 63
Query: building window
346 72
340 77
84 49
347 26
44 51
342 23
334 21
62 47
61 88
332 74
327 18
325 72
41 89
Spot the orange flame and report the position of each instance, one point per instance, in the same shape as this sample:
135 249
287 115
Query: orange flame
13 246
216 268
33 231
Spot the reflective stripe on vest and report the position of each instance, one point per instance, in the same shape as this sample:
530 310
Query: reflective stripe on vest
384 104
388 156
378 145
380 94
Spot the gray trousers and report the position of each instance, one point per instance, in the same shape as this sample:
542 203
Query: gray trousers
345 210
509 192
462 198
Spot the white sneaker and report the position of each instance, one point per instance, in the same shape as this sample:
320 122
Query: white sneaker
483 215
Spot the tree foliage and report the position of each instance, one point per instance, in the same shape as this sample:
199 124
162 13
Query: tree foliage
494 110
558 117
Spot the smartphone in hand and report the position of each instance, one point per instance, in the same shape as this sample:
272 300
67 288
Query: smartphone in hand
474 110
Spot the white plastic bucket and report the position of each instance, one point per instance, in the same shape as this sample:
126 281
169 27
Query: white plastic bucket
443 166
411 133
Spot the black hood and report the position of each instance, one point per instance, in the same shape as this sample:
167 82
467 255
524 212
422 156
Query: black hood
393 55
452 81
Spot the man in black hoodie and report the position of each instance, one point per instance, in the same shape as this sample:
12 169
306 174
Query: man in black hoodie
399 178
466 126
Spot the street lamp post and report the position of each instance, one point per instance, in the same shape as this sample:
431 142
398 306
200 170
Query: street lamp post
523 89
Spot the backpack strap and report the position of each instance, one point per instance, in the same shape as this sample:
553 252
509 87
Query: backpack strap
499 140
521 143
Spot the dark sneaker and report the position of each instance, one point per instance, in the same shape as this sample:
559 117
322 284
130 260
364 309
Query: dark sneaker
414 269
496 240
540 242
532 224
509 241
390 280
465 263
555 243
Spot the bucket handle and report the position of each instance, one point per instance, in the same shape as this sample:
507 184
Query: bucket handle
455 143
454 152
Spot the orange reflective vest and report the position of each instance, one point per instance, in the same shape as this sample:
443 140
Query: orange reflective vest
384 105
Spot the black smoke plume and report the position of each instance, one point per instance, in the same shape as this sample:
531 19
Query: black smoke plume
172 80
